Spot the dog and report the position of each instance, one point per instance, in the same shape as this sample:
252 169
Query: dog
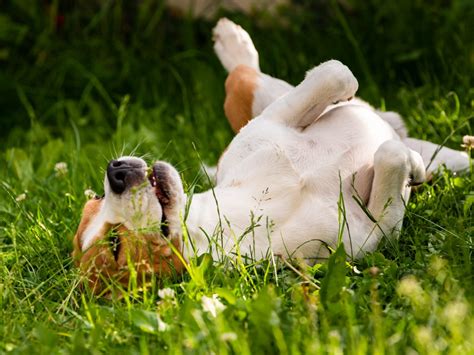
300 157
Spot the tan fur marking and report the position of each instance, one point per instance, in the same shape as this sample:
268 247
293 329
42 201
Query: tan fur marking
239 87
149 253
98 261
91 208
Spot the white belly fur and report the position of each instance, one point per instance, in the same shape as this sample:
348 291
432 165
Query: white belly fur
287 184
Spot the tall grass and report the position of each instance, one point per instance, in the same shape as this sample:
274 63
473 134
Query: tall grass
83 83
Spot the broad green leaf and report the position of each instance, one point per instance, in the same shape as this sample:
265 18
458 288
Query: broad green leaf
334 280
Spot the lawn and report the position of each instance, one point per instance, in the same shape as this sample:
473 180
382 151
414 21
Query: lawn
81 84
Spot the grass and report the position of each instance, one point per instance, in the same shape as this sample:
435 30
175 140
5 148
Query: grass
126 77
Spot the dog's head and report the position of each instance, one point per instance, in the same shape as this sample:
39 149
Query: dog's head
135 224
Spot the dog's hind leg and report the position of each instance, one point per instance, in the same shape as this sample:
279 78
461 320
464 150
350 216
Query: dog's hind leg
248 90
435 156
248 93
396 169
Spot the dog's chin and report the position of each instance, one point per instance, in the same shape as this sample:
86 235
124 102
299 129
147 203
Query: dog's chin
137 207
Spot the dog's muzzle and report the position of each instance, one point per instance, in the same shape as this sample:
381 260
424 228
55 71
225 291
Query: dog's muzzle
123 174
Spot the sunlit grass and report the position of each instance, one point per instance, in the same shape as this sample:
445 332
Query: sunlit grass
108 84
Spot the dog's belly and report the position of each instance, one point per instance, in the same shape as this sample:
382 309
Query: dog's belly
336 150
285 184
290 224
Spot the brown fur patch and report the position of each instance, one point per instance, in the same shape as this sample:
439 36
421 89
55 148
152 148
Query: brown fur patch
239 87
148 253
98 261
91 208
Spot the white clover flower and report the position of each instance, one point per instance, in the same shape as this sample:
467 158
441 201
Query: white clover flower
409 287
212 305
468 142
162 326
230 336
166 294
89 193
335 335
60 169
20 197
424 335
455 312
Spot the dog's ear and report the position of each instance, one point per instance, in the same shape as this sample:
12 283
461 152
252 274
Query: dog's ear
91 209
170 193
98 262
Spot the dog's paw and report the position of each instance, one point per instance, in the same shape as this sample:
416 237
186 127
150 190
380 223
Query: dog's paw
338 81
234 46
394 157
417 172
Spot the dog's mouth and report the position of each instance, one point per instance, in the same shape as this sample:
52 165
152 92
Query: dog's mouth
138 181
159 179
155 181
152 177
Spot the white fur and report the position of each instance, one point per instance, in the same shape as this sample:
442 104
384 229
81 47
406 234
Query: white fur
289 173
287 164
286 180
286 177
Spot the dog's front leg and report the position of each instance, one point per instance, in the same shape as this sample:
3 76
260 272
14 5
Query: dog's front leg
326 84
396 169
435 156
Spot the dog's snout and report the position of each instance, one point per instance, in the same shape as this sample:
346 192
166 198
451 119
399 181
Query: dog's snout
122 174
116 173
118 163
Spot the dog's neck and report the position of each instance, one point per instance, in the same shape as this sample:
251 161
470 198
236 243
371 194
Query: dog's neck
202 218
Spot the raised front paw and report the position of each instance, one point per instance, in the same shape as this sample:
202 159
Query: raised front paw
339 82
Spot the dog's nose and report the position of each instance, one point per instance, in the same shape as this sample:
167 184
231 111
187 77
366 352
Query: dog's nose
122 174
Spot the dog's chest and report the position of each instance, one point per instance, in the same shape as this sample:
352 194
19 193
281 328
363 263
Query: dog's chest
270 157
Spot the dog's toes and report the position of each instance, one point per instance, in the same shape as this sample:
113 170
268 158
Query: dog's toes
417 175
234 46
220 28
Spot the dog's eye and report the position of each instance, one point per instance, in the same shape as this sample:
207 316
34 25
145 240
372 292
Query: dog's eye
97 197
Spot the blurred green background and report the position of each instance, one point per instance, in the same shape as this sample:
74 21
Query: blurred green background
83 82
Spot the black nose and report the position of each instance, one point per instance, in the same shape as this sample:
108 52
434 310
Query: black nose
122 174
